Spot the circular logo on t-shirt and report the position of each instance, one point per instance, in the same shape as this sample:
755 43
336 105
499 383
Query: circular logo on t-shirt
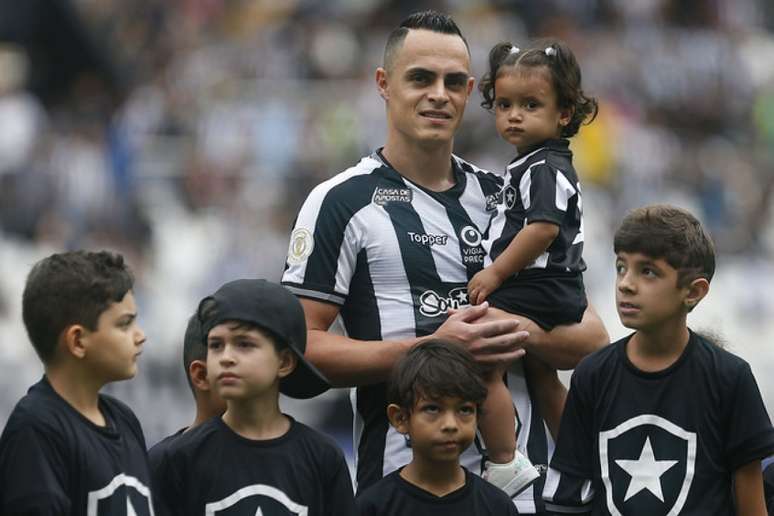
301 246
470 236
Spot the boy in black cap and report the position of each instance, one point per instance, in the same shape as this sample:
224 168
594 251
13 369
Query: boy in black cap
255 459
67 449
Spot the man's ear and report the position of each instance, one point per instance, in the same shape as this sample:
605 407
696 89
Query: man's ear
697 289
288 363
471 83
197 373
381 83
398 417
75 340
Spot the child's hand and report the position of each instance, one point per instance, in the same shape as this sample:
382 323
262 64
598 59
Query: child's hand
483 283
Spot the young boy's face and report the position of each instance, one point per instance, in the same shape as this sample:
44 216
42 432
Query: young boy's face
647 295
243 363
113 347
440 429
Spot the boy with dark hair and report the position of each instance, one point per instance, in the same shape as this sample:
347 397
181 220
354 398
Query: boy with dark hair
208 403
255 459
435 397
662 421
67 449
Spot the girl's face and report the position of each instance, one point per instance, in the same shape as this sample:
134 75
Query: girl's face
526 111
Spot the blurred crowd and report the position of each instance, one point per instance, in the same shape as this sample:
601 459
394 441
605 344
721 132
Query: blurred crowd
186 133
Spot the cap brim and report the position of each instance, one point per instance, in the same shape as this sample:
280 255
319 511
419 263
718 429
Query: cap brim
306 381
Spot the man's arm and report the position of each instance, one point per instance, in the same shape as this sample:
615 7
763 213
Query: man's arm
349 362
748 488
565 345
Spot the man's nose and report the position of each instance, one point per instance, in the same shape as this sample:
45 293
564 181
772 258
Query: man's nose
438 92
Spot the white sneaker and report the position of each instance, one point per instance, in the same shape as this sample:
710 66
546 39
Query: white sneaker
513 477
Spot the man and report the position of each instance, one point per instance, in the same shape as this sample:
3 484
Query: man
391 243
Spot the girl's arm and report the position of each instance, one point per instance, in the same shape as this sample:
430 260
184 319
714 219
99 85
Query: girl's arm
528 244
748 488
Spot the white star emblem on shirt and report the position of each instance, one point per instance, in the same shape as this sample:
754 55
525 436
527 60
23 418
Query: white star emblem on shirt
509 197
462 297
645 472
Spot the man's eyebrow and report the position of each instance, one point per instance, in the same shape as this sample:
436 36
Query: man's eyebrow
458 76
419 71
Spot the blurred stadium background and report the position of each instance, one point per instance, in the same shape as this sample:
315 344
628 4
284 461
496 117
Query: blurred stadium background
186 133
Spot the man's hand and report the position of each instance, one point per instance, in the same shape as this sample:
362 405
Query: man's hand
484 282
492 343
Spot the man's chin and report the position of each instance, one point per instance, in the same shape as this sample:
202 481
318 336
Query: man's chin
435 138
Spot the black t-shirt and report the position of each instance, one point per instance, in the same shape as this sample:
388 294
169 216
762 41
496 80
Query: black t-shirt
156 458
213 471
54 461
651 443
394 496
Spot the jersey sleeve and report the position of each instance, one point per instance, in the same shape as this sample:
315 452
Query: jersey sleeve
568 483
565 493
33 472
750 434
546 193
325 241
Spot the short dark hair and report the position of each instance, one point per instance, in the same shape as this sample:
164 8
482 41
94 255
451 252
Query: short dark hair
564 71
427 20
209 306
434 369
71 288
663 231
192 347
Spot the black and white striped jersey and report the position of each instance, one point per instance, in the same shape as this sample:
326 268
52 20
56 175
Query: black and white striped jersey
664 442
542 186
395 257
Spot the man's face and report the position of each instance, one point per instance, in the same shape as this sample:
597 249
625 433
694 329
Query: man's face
426 88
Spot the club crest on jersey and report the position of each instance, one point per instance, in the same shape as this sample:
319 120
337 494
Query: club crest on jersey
301 246
432 305
509 196
383 195
123 493
647 466
256 500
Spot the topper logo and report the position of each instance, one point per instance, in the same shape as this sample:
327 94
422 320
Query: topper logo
427 238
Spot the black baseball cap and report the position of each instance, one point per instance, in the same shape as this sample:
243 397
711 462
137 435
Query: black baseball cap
274 308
